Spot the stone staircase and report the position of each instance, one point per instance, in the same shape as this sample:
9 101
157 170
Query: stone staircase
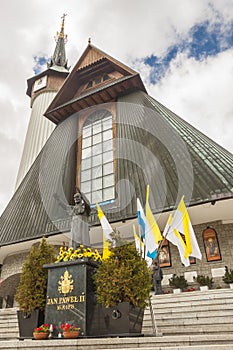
188 321
192 313
8 324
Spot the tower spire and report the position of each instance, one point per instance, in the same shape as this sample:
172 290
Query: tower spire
59 55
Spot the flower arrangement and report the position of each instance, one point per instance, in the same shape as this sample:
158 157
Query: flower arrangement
80 253
66 327
44 328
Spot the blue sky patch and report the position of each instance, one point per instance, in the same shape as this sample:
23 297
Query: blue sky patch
40 64
203 40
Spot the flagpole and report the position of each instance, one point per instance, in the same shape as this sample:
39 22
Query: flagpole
140 235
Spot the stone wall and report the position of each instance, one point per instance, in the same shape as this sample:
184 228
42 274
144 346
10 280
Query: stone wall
13 265
213 269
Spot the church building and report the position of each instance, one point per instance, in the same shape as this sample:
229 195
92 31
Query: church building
110 139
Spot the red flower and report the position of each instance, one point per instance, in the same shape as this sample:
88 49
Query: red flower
66 327
44 328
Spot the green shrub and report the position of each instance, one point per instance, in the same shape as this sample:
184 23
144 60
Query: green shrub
205 281
228 276
31 291
178 282
124 276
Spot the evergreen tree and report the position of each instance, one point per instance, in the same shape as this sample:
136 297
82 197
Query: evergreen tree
31 291
124 276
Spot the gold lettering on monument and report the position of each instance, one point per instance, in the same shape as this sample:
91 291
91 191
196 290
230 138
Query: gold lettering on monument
65 286
66 302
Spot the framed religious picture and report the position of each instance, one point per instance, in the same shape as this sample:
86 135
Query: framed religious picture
211 244
164 255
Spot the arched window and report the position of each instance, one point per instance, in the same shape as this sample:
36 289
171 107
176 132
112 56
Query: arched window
97 167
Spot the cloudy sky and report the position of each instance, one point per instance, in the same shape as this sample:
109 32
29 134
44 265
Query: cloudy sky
183 50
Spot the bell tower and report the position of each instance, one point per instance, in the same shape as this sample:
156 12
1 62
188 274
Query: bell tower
42 88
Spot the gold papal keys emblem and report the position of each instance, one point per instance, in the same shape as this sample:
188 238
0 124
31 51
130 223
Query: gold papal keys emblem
65 284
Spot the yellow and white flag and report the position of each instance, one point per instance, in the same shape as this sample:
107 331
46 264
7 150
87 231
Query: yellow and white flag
151 220
180 224
107 230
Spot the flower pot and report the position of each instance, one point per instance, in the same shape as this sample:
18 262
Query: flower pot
28 321
40 336
176 290
204 288
71 335
122 319
231 285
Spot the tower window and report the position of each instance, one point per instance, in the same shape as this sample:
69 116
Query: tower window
97 168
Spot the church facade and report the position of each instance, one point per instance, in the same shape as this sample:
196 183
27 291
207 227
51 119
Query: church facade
111 139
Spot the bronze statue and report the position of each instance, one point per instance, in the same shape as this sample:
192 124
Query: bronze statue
79 213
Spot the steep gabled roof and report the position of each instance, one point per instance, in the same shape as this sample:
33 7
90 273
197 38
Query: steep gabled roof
92 62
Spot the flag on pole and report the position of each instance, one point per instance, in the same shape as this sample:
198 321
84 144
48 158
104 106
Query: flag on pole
138 242
107 230
147 234
180 223
150 218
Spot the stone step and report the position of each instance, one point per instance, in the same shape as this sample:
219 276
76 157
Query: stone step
191 313
208 317
188 347
8 320
192 308
200 342
212 293
9 334
185 302
9 324
195 329
8 311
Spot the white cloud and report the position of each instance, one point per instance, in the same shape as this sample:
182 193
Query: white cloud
200 92
127 30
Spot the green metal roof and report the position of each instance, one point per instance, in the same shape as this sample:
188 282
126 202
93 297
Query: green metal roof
153 146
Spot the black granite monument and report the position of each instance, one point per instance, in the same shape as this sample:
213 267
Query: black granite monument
71 296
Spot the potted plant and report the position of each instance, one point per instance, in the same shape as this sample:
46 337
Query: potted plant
69 331
228 277
205 282
179 283
41 332
124 283
31 291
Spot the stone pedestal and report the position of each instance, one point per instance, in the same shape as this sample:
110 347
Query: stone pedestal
71 296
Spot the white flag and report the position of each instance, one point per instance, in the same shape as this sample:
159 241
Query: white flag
180 223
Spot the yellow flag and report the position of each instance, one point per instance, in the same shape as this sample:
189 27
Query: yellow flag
107 229
180 224
186 222
151 220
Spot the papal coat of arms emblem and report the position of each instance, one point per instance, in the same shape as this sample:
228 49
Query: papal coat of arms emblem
65 284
